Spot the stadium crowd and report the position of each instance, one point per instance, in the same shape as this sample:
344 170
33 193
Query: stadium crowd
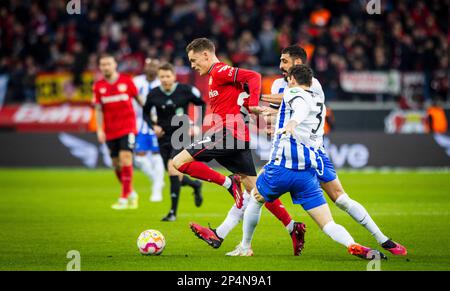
339 35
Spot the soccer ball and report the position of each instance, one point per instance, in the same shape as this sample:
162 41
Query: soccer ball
151 242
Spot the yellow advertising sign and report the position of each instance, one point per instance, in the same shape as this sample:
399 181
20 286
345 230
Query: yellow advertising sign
57 88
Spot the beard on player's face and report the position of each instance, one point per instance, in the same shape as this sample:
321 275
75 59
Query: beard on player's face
284 73
107 73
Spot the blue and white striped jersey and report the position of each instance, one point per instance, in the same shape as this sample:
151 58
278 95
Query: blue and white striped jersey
298 151
309 138
144 87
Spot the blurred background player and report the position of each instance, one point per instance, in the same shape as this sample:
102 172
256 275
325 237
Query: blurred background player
293 165
296 55
147 157
116 124
169 100
227 95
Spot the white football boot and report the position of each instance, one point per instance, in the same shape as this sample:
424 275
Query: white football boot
133 200
122 204
239 251
156 197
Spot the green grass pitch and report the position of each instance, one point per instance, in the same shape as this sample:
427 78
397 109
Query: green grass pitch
44 213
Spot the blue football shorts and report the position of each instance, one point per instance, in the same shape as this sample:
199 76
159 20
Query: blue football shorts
303 185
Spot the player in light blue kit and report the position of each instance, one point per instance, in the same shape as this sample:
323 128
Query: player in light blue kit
147 156
293 166
295 55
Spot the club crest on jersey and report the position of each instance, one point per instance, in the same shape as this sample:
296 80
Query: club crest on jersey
179 111
122 87
102 90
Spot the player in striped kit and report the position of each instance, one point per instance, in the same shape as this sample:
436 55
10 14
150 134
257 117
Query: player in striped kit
294 55
293 166
147 157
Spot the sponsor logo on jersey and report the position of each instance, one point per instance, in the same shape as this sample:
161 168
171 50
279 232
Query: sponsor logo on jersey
115 98
122 87
213 93
179 111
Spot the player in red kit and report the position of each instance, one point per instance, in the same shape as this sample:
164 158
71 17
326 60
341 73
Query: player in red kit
229 143
116 124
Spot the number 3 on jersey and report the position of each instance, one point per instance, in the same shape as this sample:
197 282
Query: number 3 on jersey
319 116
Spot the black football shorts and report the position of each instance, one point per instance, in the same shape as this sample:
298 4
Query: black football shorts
235 155
123 143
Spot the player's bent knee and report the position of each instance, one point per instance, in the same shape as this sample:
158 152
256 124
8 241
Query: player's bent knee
182 158
333 189
179 160
258 197
126 158
172 170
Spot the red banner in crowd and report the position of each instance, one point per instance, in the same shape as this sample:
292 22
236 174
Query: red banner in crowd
33 117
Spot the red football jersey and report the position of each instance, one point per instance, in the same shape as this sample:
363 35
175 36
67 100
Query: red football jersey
225 88
119 118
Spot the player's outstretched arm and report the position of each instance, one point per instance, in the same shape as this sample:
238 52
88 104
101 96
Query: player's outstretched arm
272 98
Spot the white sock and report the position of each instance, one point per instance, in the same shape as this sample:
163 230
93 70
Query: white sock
338 233
133 195
144 164
227 183
252 215
233 218
290 226
360 215
157 173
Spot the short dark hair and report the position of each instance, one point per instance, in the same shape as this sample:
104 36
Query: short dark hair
295 52
167 67
302 74
105 55
201 44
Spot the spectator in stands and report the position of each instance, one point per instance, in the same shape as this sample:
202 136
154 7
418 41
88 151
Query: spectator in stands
437 120
338 35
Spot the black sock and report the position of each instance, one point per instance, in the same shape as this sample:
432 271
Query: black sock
186 181
174 193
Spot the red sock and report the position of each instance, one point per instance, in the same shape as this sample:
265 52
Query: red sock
127 177
277 209
201 171
118 174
